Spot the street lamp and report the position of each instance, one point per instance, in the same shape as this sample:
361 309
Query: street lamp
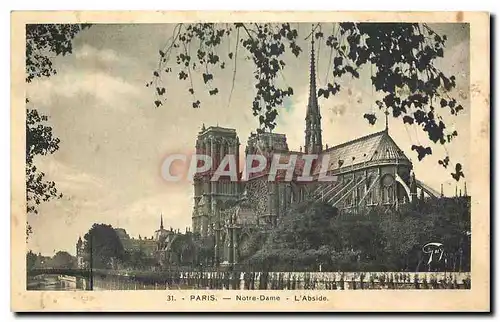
91 277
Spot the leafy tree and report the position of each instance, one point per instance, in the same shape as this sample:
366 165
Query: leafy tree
30 260
63 260
359 238
401 56
204 250
250 243
406 237
313 234
185 249
102 244
138 259
39 141
448 222
376 240
301 238
42 41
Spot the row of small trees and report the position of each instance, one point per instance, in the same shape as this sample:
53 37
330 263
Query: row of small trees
107 253
313 236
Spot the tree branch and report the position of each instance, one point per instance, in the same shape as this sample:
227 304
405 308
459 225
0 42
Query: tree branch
235 64
247 31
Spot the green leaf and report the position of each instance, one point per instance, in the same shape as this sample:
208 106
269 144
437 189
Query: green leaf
207 77
372 118
160 91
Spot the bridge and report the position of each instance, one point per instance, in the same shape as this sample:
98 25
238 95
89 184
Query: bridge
84 277
77 272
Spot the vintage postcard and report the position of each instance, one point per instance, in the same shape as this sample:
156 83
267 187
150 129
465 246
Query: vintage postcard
250 161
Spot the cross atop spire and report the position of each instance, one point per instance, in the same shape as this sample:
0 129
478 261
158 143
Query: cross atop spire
386 120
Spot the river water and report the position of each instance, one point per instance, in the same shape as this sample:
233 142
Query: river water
50 283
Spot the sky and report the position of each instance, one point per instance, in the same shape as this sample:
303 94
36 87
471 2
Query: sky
113 139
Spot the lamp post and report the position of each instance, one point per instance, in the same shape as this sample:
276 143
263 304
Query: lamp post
91 277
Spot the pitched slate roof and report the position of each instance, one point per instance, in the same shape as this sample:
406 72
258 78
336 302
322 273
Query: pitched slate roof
377 146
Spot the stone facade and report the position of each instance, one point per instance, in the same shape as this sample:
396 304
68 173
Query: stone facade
144 244
167 246
228 214
368 171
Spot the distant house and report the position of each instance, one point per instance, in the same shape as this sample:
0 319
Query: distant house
147 245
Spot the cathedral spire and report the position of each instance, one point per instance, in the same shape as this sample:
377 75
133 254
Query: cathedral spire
312 107
313 142
161 221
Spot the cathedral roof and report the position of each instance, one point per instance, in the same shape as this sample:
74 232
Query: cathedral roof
162 234
375 147
263 141
217 130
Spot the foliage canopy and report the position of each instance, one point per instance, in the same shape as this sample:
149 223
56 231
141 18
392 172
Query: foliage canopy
42 41
401 56
313 234
102 246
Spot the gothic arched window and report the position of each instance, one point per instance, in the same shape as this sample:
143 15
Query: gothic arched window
387 188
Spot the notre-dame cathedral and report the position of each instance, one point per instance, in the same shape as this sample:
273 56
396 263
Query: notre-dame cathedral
370 170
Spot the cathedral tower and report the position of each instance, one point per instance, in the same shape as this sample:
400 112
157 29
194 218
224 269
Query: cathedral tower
80 253
215 142
313 142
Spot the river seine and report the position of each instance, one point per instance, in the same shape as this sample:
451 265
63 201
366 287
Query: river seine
50 283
